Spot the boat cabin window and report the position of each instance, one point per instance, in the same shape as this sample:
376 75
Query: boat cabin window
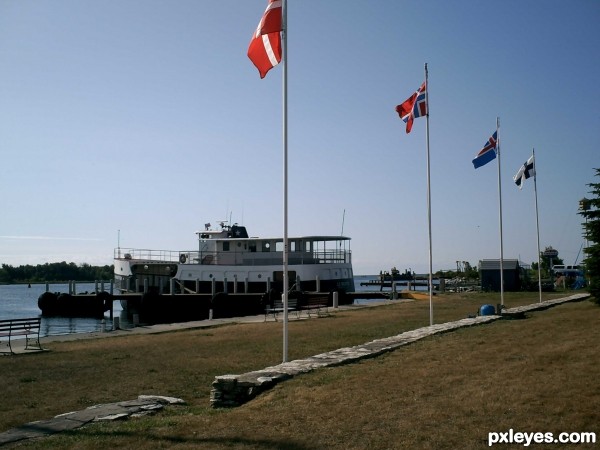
225 246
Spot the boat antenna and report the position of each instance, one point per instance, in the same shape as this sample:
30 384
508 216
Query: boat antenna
578 253
343 219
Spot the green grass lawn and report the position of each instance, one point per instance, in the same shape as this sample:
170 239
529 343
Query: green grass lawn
448 391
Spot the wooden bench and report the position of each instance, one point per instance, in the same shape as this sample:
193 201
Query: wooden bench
278 308
30 328
315 304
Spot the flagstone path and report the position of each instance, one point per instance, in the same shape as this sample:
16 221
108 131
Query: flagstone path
234 390
143 405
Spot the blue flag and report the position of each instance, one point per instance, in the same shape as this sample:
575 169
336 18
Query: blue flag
487 153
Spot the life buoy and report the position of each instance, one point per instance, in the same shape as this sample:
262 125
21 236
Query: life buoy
182 258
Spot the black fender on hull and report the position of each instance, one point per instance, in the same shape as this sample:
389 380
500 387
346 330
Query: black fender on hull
47 300
67 305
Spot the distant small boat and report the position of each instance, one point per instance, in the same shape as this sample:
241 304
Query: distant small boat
386 278
395 275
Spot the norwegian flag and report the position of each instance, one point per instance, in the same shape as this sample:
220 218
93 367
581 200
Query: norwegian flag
265 47
413 107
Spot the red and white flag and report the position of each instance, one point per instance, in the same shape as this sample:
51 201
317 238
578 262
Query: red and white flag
413 107
265 47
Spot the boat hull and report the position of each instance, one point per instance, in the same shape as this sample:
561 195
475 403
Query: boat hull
161 308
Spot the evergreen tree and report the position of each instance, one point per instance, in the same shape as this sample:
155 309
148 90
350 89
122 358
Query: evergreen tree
590 210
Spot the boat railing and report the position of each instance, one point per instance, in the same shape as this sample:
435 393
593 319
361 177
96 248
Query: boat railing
274 258
334 256
234 258
150 255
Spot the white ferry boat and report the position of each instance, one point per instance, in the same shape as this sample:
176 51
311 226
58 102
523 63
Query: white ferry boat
229 261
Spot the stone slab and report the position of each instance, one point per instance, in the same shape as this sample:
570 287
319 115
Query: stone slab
144 404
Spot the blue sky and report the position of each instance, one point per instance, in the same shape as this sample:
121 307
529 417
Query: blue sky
145 119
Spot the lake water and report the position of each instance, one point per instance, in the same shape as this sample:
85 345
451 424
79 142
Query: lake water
18 301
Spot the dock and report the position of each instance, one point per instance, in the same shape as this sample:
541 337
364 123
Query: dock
153 306
388 283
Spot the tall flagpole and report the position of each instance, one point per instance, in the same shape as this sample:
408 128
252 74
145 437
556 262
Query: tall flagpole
500 204
285 180
537 222
429 198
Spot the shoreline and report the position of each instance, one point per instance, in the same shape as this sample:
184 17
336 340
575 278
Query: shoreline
196 324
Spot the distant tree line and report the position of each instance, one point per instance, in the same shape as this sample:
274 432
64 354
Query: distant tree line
51 272
463 270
